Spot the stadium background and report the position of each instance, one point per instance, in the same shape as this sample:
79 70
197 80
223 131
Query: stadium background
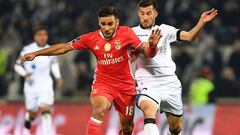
214 56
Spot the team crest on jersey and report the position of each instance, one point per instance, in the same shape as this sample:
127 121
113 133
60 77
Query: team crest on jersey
117 44
107 47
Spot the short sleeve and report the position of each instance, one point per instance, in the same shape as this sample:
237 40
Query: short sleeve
133 39
80 43
24 50
172 33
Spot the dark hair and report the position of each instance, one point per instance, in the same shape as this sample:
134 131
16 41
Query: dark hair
39 29
146 3
107 11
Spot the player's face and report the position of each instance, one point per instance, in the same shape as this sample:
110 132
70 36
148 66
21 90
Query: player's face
108 25
41 37
147 16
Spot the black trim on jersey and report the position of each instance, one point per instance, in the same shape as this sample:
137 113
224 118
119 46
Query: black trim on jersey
178 35
149 120
172 114
138 96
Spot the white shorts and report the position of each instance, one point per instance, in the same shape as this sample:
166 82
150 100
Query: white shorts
165 92
37 98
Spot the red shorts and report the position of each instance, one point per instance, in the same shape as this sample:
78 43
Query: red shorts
123 103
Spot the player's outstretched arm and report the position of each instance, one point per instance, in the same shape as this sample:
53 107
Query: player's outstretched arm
56 49
205 17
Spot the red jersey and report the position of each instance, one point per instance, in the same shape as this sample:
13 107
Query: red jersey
112 57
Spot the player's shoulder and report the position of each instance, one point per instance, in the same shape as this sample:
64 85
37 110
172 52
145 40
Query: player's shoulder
139 30
123 27
91 35
165 27
30 46
136 28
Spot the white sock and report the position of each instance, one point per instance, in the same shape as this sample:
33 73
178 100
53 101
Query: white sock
169 133
46 124
151 129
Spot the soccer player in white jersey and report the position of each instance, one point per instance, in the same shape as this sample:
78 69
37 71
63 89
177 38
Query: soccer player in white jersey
38 84
158 86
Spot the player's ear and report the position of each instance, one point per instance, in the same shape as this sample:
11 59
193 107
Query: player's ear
99 21
117 21
156 13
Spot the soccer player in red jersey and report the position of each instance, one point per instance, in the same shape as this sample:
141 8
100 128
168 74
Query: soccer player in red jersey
113 82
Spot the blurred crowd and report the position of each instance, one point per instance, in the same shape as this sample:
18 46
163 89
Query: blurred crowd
208 68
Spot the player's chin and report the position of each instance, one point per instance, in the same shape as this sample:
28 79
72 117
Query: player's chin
146 26
108 35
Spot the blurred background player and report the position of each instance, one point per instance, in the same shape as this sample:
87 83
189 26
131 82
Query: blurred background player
38 84
159 87
113 82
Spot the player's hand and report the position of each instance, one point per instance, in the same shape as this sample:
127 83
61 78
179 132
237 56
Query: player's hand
134 55
208 15
27 57
59 82
154 38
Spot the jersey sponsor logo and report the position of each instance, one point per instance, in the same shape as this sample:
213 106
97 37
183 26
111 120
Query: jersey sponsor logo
107 47
142 35
108 61
117 44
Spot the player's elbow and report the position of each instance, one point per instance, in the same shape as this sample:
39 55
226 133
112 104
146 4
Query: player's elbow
187 36
191 38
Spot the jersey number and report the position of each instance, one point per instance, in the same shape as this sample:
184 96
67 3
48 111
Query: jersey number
129 111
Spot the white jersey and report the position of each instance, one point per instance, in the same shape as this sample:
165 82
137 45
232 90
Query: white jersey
155 76
40 68
162 64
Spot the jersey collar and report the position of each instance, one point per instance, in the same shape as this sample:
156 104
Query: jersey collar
146 28
115 33
40 46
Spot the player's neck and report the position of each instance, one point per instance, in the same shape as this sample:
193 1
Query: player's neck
114 34
147 27
41 46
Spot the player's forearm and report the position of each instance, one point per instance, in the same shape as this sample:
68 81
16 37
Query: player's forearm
193 33
20 70
149 50
196 30
56 49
